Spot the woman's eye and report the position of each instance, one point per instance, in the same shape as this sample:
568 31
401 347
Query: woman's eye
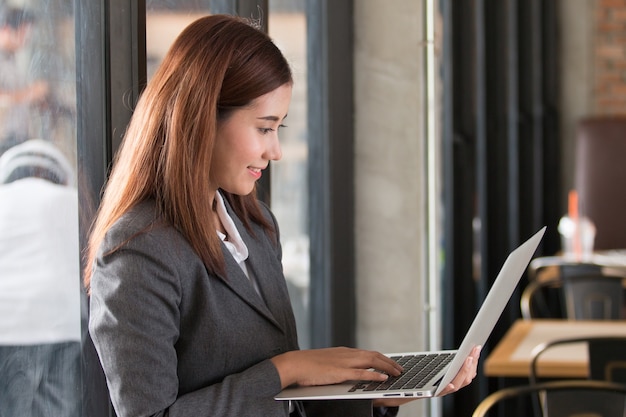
266 130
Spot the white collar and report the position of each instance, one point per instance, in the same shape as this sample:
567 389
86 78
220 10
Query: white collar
235 244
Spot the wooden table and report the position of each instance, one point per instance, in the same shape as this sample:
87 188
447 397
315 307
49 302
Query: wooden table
512 355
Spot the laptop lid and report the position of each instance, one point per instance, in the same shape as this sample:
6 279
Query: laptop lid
480 329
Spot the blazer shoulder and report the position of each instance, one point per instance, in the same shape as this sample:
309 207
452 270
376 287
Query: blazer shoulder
141 220
269 215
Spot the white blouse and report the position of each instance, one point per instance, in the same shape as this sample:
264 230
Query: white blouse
234 243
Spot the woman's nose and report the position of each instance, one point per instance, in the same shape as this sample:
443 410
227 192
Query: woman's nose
274 151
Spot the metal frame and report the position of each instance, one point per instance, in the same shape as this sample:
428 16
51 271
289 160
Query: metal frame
572 387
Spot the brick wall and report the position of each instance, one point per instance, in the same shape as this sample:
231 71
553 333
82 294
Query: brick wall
609 68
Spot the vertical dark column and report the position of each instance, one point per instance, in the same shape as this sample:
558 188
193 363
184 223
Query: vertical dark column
93 152
552 207
501 149
108 85
463 137
331 176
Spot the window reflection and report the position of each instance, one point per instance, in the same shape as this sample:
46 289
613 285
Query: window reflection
165 19
39 252
287 26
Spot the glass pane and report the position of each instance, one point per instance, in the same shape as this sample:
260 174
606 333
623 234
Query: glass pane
165 19
287 26
39 248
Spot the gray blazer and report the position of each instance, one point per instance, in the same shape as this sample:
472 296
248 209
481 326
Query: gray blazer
175 340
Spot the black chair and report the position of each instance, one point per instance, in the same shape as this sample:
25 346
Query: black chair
554 266
584 296
559 399
606 354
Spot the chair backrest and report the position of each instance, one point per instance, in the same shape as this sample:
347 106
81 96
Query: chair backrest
607 357
600 175
560 399
543 299
578 292
549 266
594 297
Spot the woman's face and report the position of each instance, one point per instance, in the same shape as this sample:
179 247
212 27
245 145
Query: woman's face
247 141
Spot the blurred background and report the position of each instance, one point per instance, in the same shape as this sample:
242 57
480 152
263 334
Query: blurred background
425 141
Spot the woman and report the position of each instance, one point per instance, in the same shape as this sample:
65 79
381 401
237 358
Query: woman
189 309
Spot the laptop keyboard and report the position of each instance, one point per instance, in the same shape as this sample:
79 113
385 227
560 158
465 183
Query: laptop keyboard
418 370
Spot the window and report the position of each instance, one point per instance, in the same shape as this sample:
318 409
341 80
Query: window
40 315
289 177
91 56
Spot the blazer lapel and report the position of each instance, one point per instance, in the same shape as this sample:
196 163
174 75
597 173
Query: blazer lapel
265 265
268 273
241 285
274 298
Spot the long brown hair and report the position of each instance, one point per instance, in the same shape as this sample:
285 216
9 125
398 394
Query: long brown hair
217 64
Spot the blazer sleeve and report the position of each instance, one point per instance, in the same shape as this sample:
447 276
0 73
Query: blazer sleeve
135 324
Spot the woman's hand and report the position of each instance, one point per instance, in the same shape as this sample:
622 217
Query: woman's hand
464 377
466 374
332 366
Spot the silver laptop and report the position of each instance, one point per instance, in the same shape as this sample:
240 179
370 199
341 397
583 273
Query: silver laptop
426 374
